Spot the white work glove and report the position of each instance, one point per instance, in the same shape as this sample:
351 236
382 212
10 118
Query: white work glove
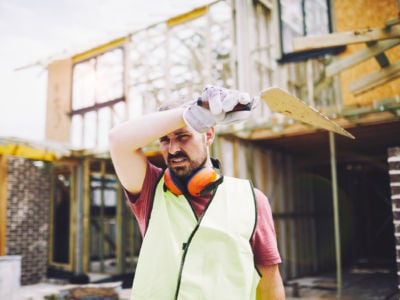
218 105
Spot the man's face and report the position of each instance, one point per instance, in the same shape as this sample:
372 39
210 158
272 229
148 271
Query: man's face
185 150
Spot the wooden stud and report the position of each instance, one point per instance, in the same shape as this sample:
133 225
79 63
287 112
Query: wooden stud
98 50
51 219
71 165
354 59
86 215
371 81
102 227
235 160
392 22
381 58
121 233
193 14
73 216
344 38
59 95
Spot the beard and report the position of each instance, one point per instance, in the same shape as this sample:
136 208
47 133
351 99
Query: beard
186 171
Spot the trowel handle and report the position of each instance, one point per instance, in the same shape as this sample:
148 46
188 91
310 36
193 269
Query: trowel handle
238 107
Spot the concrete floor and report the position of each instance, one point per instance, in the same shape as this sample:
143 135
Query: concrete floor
40 290
356 285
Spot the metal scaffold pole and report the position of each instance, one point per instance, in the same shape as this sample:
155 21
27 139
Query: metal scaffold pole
336 215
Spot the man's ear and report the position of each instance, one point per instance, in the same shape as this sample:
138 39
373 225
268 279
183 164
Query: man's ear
210 135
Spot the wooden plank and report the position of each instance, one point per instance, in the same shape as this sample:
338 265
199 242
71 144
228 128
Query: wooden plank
51 217
86 215
73 218
360 56
195 13
344 38
381 58
375 79
121 244
392 22
3 204
59 95
98 50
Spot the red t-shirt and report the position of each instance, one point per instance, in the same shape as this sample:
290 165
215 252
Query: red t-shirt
263 242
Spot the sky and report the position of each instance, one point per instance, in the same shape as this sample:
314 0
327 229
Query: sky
33 32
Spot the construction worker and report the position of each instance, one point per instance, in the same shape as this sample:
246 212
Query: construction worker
205 235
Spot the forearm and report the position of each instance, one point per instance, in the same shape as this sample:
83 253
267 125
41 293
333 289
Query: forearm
270 286
139 132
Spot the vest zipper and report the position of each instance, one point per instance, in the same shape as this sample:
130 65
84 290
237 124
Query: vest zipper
185 246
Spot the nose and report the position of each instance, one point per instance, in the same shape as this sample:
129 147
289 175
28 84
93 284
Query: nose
173 147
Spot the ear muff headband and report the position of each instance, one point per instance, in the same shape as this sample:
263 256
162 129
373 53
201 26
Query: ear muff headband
170 183
196 184
200 180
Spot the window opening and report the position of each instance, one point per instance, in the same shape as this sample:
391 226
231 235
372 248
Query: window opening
298 18
97 93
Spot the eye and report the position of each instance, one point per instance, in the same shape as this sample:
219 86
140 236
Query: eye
164 140
182 137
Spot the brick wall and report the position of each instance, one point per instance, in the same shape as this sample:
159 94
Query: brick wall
28 205
394 171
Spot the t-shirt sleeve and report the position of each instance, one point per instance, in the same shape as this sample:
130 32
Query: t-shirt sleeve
264 242
140 203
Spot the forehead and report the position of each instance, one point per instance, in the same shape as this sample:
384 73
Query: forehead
184 130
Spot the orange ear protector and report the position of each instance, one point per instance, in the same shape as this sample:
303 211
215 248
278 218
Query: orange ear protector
196 184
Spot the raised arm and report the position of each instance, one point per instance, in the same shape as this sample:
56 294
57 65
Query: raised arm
127 139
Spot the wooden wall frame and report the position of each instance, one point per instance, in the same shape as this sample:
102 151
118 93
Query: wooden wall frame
72 218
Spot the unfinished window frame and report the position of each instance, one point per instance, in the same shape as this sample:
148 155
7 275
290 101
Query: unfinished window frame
289 55
88 112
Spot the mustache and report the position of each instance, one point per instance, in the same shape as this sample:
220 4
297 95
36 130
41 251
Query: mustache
179 154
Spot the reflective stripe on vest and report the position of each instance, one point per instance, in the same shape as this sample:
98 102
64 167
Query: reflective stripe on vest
210 258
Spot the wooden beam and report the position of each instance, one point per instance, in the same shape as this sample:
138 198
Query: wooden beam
392 22
73 217
381 58
59 99
98 50
121 244
86 215
345 38
3 204
193 14
97 106
375 79
362 55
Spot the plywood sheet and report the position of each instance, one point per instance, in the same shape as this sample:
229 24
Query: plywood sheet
59 92
358 15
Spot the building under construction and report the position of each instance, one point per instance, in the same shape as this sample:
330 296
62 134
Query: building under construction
335 201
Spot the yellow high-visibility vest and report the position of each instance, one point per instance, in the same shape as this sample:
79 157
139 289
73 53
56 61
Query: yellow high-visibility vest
183 257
